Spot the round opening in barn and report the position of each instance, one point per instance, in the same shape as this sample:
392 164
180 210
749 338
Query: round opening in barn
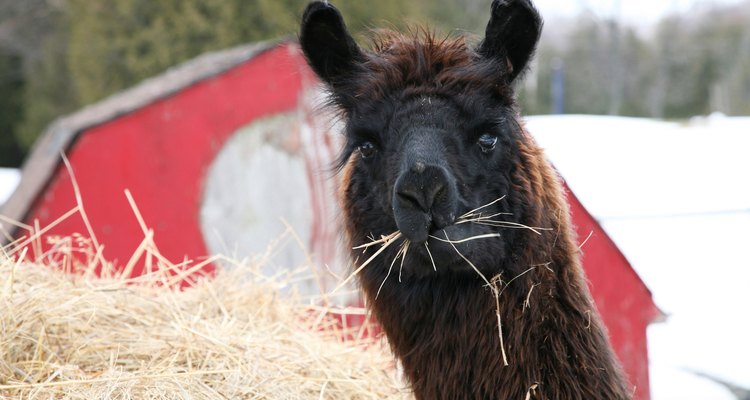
255 190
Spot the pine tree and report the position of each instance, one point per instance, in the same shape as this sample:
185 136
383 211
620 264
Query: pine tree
11 87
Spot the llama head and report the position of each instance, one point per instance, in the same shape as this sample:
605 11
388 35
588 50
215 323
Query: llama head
432 133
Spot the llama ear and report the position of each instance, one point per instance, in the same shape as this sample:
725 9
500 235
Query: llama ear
512 34
330 49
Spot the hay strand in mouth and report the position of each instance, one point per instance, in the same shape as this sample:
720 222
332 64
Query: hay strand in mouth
389 272
476 217
502 224
468 239
429 253
469 214
471 264
385 241
401 253
404 248
472 216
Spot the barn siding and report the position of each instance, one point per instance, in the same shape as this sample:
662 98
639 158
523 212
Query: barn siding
161 152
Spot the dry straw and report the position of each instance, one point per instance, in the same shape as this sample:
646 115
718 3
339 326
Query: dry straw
74 327
236 335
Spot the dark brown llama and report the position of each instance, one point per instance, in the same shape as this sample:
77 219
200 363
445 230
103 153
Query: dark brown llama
484 270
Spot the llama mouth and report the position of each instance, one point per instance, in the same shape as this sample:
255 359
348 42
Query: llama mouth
453 248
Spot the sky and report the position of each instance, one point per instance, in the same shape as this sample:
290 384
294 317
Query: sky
634 11
673 197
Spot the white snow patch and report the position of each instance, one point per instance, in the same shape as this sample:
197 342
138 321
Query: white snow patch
675 198
9 179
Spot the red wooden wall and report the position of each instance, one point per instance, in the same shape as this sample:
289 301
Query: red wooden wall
622 299
161 153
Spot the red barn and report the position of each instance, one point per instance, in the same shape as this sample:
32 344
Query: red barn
216 150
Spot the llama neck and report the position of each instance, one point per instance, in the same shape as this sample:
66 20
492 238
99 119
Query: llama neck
445 332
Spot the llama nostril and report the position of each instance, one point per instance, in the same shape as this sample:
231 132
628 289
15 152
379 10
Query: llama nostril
413 200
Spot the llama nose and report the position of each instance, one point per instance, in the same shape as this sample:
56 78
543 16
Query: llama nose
417 195
423 200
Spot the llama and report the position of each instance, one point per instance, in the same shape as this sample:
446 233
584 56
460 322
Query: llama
477 283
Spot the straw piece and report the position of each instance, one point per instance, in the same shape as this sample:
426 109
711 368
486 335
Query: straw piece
468 239
386 241
82 210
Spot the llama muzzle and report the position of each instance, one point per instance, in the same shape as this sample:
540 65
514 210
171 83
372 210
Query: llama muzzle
424 200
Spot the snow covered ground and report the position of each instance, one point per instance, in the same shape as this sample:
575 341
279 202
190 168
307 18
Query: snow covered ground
9 179
675 197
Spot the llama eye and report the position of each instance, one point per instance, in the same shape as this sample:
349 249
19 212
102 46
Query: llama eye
367 149
487 142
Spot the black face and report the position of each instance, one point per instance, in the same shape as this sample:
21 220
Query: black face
430 153
420 163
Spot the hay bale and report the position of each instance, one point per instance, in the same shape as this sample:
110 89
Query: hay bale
233 336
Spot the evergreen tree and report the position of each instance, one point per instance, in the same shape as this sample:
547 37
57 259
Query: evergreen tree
48 92
24 27
11 107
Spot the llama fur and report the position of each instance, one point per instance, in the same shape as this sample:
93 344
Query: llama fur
421 114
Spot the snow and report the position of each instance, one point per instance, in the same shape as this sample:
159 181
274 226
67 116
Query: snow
9 178
675 198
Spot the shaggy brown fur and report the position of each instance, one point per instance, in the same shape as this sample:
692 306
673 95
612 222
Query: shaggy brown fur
416 106
419 63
